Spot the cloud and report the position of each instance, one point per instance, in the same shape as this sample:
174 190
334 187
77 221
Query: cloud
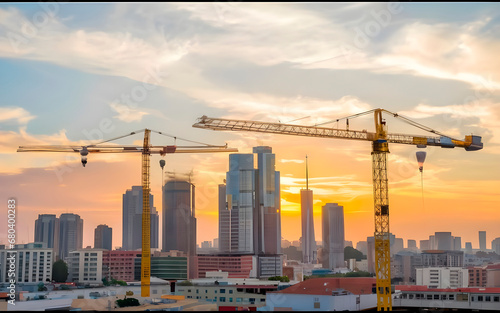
126 113
20 115
291 161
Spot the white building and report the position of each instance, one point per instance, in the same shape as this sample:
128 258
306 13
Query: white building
85 266
442 277
333 236
33 263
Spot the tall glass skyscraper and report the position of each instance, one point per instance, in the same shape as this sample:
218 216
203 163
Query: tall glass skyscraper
179 222
132 220
70 234
333 236
249 212
47 231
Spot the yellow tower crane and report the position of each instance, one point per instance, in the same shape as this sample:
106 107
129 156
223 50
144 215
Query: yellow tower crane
380 140
146 150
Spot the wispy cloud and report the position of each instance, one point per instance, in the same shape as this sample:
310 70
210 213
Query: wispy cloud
17 114
126 113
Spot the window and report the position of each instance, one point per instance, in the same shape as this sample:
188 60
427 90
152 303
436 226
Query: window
429 297
496 299
197 291
472 299
262 299
410 296
230 299
436 297
206 291
215 299
215 291
488 298
451 297
231 291
155 291
238 299
479 298
316 305
222 299
223 291
443 297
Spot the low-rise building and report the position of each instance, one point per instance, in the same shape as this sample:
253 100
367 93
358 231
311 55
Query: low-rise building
442 277
119 264
33 262
325 294
85 266
238 266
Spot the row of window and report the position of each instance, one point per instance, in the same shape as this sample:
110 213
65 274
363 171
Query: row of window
223 299
460 297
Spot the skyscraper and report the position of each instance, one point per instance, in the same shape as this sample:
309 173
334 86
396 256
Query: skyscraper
412 244
70 234
333 236
132 220
268 200
179 222
443 240
103 237
47 231
309 251
482 240
457 243
250 211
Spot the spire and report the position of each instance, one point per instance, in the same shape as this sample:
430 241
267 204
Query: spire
307 176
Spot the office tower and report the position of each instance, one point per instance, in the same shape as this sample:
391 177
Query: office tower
425 245
132 220
70 234
457 243
468 247
47 231
249 215
103 237
432 242
482 240
370 255
412 244
267 229
309 251
216 243
362 246
333 236
179 221
495 245
443 241
236 223
397 246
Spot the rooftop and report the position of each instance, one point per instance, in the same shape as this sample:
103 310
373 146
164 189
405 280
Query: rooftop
427 289
325 286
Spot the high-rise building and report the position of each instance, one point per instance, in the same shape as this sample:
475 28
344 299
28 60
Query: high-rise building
495 245
370 254
333 236
70 234
250 211
132 220
468 247
362 246
33 263
482 240
47 231
412 244
457 243
179 221
443 240
309 250
103 237
432 242
425 245
267 230
236 223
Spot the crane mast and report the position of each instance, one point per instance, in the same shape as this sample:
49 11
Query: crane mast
380 148
146 219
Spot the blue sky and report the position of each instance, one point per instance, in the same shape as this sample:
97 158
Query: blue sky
162 65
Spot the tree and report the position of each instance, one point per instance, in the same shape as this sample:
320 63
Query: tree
41 287
280 278
185 283
351 253
127 302
59 271
105 281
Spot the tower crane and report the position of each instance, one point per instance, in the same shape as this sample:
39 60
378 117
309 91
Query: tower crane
146 150
380 148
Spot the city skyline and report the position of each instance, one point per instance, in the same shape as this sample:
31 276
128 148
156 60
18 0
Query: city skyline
98 71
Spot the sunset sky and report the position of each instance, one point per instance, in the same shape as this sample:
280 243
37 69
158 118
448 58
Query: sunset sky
79 73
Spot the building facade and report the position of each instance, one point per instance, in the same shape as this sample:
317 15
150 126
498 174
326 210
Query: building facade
309 249
33 263
132 220
47 231
238 266
333 236
119 265
70 234
85 266
103 237
482 240
443 240
442 277
179 221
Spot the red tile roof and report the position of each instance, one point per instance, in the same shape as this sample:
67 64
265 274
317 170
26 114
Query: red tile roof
469 289
325 286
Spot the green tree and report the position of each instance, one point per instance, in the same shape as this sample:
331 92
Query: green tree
105 281
280 278
127 302
351 253
59 271
185 283
41 287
